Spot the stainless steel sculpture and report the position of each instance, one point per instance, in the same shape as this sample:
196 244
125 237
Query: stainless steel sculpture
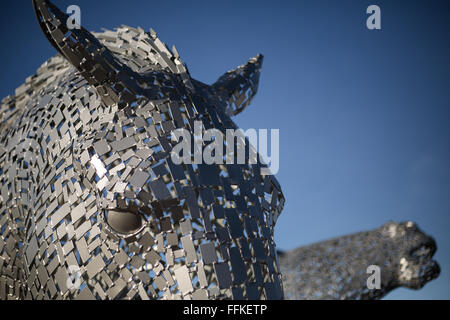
337 268
87 184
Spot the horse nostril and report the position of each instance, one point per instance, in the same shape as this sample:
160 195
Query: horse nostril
425 250
422 251
123 222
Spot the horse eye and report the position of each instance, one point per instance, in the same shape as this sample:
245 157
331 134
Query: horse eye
123 221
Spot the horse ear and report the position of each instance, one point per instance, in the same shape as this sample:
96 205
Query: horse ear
240 85
114 81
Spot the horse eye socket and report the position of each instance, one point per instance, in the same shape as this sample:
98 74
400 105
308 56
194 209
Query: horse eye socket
123 221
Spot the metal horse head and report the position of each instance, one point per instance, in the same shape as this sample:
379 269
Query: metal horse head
89 187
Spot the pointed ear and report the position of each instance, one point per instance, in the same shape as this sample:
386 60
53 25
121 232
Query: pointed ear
114 81
240 85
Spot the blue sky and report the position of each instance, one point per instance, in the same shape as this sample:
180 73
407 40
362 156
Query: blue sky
363 114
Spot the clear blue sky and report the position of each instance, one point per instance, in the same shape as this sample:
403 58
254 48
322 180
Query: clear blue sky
363 115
